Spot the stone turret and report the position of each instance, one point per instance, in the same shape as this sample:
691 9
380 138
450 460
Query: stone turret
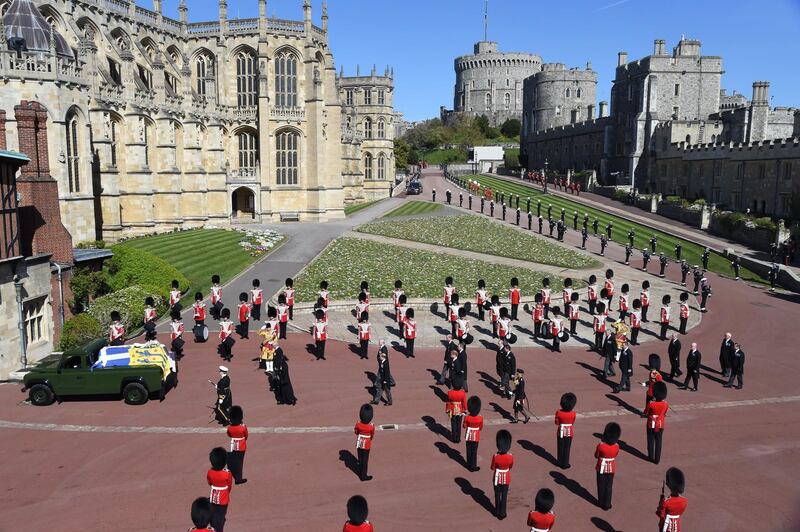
759 111
796 132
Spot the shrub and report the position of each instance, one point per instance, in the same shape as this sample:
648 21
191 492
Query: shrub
131 266
765 223
79 330
511 128
620 194
129 302
92 244
86 285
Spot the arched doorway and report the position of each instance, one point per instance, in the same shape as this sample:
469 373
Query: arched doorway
243 204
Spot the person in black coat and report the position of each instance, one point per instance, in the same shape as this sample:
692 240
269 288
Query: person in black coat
383 380
737 368
284 392
674 352
460 366
625 368
447 366
609 352
508 368
725 354
693 360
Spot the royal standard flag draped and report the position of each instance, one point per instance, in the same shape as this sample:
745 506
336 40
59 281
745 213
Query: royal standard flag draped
150 354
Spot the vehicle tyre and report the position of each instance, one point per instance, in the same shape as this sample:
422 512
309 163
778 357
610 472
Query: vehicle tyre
41 395
135 394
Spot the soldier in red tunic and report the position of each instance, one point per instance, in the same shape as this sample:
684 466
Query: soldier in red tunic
409 332
494 313
606 454
365 431
201 515
288 291
644 297
402 309
591 293
565 419
455 407
237 432
364 287
574 312
636 321
566 293
283 316
199 317
624 305
357 512
364 329
514 296
473 424
541 519
481 297
319 329
174 296
176 330
664 318
654 376
116 331
671 509
216 297
447 292
545 291
226 339
683 312
656 412
556 329
398 291
502 462
609 286
256 300
221 482
452 314
244 317
538 315
323 292
149 319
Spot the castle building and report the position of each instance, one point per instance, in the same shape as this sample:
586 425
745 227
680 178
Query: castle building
165 124
664 107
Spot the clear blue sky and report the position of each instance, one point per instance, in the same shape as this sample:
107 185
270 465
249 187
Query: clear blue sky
420 39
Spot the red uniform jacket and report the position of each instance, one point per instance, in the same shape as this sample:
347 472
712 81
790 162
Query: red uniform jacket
503 327
216 294
401 313
599 324
221 483
480 296
606 458
538 313
456 402
361 308
473 425
364 434
238 435
669 513
644 297
324 295
149 314
609 286
684 311
494 312
283 313
176 330
174 297
545 296
462 328
117 330
651 381
501 465
623 302
320 330
514 295
396 297
289 296
447 292
656 413
541 522
225 329
591 292
665 314
556 326
366 526
565 421
244 312
363 331
453 311
199 311
636 319
410 329
256 296
574 311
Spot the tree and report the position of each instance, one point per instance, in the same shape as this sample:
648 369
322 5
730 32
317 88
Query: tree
401 152
492 132
511 128
483 124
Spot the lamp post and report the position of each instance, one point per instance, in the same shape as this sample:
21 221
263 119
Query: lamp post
546 164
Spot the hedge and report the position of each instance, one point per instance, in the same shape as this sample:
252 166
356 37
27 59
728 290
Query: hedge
129 302
78 330
131 266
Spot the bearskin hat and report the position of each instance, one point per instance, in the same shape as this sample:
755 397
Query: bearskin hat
503 441
362 297
357 510
201 512
320 302
149 301
402 299
410 313
603 293
272 312
514 281
654 362
218 458
115 316
198 296
568 282
556 311
546 282
236 415
289 282
448 280
281 299
175 283
600 307
675 480
398 284
609 273
226 313
364 285
481 283
512 338
457 382
660 390
215 279
474 405
243 297
645 284
364 316
625 288
495 299
544 500
574 297
323 285
462 312
175 315
568 401
612 433
592 279
319 314
538 297
256 283
684 296
637 304
503 312
666 300
366 413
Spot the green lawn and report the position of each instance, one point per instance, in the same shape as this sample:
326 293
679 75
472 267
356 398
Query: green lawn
348 261
473 233
666 243
352 209
199 254
439 156
413 207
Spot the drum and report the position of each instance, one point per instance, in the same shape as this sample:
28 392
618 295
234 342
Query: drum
564 337
229 341
547 331
177 306
487 305
177 344
468 306
468 339
200 333
512 338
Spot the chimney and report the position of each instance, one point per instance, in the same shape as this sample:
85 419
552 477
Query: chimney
223 16
325 17
659 46
603 109
761 93
622 58
3 145
157 6
39 211
590 111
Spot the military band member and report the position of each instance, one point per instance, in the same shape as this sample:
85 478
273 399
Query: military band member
644 297
549 211
575 221
552 224
491 208
603 244
538 316
541 224
606 453
269 344
216 297
483 203
514 297
664 318
595 225
736 368
222 407
362 305
653 376
364 330
645 259
460 199
545 291
625 357
561 229
473 424
609 286
481 296
624 302
631 236
565 420
244 316
288 291
149 319
448 196
586 221
683 312
705 292
671 509
221 482
563 214
176 329
663 263
653 244
201 515
226 340
175 296
697 275
199 310
357 512
774 271
504 212
591 293
116 331
448 291
452 314
684 271
494 313
674 353
520 397
678 251
530 220
409 332
528 204
636 321
319 330
556 329
574 312
237 432
599 326
584 237
502 462
433 192
628 252
609 227
402 309
283 315
735 266
365 432
256 300
541 519
469 201
323 293
693 361
455 407
656 413
503 325
704 258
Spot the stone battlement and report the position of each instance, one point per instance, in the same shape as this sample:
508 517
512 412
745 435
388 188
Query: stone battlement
792 144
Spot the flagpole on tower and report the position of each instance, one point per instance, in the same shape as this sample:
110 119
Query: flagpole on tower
486 22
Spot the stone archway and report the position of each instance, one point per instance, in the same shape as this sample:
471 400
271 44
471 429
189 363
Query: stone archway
243 204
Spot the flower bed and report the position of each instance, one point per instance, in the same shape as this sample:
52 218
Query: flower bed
473 233
348 261
258 242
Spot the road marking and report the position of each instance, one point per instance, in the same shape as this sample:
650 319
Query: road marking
55 427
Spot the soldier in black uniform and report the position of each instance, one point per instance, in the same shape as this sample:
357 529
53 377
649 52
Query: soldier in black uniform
773 276
222 408
563 214
504 212
448 196
460 199
539 208
684 271
735 266
674 353
697 275
469 201
704 259
678 251
483 202
603 243
693 360
517 201
549 210
575 221
586 221
491 208
528 204
664 262
552 226
705 292
584 237
653 244
609 227
518 215
433 192
609 352
645 259
530 220
562 228
541 223
595 225
628 251
508 367
625 368
631 236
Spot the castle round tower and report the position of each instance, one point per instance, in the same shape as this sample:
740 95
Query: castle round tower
562 96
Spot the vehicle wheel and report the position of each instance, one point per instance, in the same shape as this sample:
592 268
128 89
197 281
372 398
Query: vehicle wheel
41 395
135 394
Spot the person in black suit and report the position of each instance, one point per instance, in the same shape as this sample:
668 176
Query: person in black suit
737 368
446 369
508 368
674 352
693 360
383 380
725 354
609 352
460 366
625 368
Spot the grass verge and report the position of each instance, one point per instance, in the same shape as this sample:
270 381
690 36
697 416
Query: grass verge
413 207
352 209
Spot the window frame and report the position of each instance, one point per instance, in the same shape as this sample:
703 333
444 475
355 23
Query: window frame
287 157
286 80
34 314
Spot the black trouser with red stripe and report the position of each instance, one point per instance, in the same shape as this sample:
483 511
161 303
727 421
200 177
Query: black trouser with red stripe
282 330
364 349
573 324
500 500
218 512
409 347
236 464
455 428
654 444
605 489
363 463
320 349
472 455
563 446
